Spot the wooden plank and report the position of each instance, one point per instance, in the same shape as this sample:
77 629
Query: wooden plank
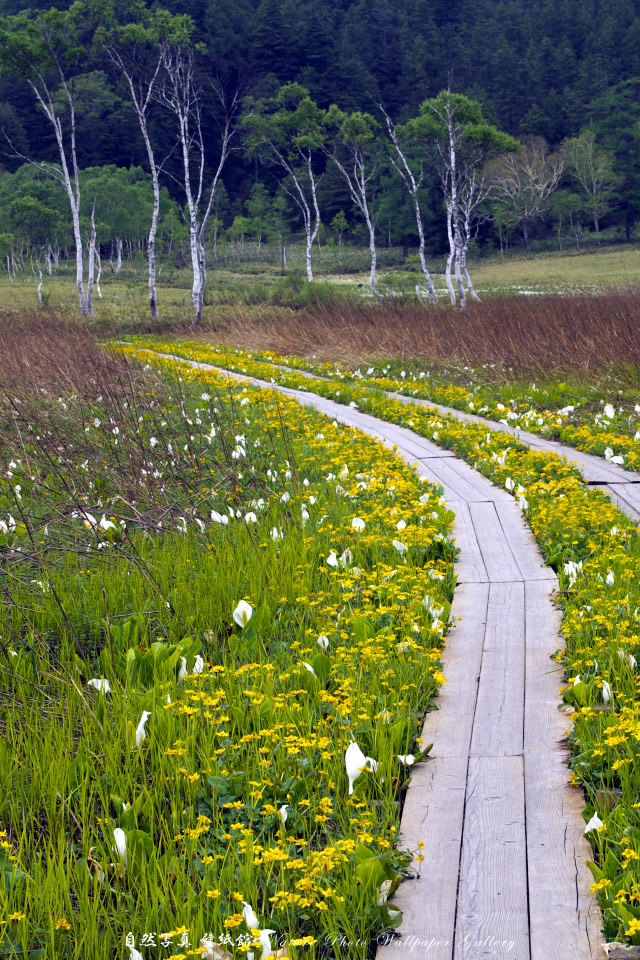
469 566
492 917
433 813
627 498
564 916
496 553
526 551
499 716
484 486
462 486
462 659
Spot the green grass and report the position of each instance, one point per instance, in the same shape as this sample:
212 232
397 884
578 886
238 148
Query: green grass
114 566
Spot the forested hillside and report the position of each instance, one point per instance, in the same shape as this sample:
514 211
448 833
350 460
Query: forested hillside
559 77
537 67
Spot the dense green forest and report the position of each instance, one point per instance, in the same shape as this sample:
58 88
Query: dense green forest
562 78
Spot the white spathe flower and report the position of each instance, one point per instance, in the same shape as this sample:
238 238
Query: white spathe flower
401 524
308 667
383 892
276 534
358 524
610 578
243 613
140 731
509 483
265 943
106 524
183 668
100 684
323 642
594 824
198 666
355 762
134 954
606 691
408 759
249 916
332 560
346 558
219 517
283 814
400 547
609 411
121 844
250 518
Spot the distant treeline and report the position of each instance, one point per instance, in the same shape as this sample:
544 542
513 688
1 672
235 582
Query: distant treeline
237 120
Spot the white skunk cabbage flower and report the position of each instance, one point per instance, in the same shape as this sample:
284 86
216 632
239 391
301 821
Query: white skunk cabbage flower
355 762
243 613
249 916
121 844
100 684
594 824
140 731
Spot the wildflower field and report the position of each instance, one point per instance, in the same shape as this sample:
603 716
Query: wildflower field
595 549
222 623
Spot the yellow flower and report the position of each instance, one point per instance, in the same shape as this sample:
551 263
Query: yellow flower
17 916
62 924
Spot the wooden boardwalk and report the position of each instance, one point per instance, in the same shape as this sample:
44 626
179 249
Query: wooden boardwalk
504 874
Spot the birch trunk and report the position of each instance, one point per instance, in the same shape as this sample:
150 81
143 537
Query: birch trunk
39 269
48 260
413 187
118 266
447 272
91 266
99 273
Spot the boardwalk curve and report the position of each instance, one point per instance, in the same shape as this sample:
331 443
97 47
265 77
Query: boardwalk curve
505 873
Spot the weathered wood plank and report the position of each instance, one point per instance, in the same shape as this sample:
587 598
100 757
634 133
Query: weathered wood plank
525 550
461 485
492 919
433 813
497 555
484 486
627 498
564 920
499 716
462 659
469 566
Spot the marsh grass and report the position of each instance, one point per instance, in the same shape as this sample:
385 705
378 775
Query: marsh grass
116 565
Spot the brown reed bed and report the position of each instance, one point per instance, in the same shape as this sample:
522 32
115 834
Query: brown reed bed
545 335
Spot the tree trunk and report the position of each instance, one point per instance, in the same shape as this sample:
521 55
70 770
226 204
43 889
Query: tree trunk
374 258
447 272
460 285
525 234
99 273
48 260
39 269
465 273
91 266
308 254
119 256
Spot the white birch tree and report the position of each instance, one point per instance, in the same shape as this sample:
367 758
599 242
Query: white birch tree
351 145
451 132
40 50
137 50
523 183
289 130
180 92
413 181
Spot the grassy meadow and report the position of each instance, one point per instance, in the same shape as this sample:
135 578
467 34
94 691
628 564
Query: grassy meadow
223 614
